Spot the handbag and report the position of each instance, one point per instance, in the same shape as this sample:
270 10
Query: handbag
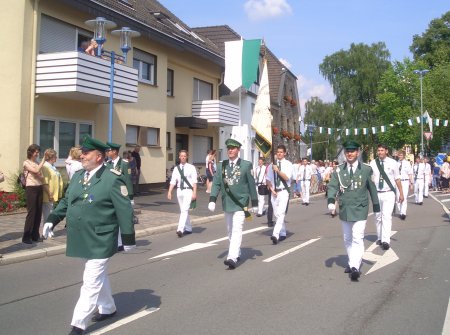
22 179
263 190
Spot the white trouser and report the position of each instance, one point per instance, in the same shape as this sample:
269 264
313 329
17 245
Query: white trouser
279 204
354 241
402 206
383 219
94 292
305 184
235 222
47 208
184 201
418 190
426 186
261 202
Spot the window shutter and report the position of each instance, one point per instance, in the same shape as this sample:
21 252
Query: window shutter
56 36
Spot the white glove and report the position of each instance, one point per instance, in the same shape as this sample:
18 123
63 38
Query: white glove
47 230
331 207
132 202
127 248
212 206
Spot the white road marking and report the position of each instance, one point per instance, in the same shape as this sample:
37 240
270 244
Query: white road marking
124 321
446 329
197 246
445 200
388 257
284 253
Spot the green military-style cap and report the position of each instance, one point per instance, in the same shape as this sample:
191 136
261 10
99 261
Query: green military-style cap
113 146
90 143
232 143
351 145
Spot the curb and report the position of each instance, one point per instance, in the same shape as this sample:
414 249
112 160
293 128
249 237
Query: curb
26 255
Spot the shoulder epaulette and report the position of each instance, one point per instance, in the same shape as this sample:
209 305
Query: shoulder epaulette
115 172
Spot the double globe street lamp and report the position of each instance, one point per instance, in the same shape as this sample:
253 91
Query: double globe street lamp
100 25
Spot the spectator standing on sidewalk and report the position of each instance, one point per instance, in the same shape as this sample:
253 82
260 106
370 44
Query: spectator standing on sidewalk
96 203
53 183
73 162
352 183
137 158
235 182
184 178
34 194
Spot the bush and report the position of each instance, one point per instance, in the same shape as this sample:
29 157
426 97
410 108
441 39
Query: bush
17 190
8 202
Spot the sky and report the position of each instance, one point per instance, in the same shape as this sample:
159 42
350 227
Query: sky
301 33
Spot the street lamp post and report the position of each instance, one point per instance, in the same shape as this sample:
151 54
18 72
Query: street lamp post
421 73
310 129
100 25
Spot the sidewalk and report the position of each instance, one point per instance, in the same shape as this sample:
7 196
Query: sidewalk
156 215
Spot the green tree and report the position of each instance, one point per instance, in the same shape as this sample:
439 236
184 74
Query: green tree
354 75
433 46
321 114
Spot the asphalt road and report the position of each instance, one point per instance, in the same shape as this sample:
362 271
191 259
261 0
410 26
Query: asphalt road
295 287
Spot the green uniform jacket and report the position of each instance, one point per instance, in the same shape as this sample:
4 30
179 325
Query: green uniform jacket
353 196
123 167
241 183
93 214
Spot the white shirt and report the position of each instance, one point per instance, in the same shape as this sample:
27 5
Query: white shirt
260 174
304 172
295 168
419 171
72 166
286 168
391 170
404 169
189 171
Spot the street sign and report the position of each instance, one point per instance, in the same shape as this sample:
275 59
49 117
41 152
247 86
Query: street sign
428 135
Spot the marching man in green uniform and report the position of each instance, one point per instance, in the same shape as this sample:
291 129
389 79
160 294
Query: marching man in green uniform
352 182
121 166
235 182
96 203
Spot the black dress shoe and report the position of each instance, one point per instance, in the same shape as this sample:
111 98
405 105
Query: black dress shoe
187 232
259 215
378 242
100 317
27 241
354 274
420 203
76 331
385 246
282 238
274 239
230 263
179 233
347 269
306 203
120 248
403 216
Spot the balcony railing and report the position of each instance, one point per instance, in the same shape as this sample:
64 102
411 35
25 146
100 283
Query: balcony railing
218 113
78 76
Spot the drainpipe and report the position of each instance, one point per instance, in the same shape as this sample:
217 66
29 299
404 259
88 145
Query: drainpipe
33 70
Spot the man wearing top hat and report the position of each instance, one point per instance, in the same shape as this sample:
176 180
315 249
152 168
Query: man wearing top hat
95 205
352 183
236 184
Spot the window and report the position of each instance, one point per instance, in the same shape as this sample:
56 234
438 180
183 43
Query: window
62 135
168 141
170 78
145 63
132 135
152 137
59 36
202 90
201 144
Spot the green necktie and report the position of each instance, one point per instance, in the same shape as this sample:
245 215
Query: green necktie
182 179
278 176
351 171
381 181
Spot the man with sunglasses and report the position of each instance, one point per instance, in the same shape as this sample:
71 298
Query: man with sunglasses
352 183
96 203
